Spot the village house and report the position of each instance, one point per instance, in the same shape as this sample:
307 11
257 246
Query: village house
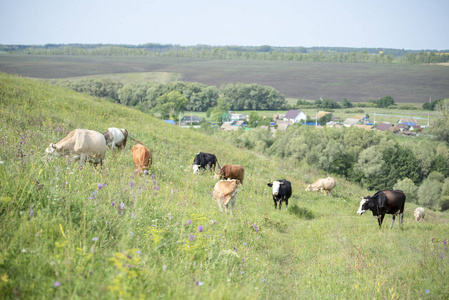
190 120
295 116
237 117
384 126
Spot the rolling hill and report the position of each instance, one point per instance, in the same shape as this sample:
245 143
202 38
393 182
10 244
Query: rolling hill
71 233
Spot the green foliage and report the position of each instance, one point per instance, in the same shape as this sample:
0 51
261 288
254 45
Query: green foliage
170 105
252 97
346 103
429 193
324 119
386 101
409 188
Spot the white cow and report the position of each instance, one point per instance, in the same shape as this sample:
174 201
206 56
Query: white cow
225 192
81 144
324 185
419 214
116 137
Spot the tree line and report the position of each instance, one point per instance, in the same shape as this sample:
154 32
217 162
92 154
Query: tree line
169 99
264 52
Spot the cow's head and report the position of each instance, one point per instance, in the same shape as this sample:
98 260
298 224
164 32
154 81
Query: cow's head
310 187
195 168
51 149
365 204
276 185
217 175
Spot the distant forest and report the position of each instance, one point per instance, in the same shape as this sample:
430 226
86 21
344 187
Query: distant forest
265 52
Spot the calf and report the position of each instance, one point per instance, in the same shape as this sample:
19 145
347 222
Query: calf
282 191
225 192
419 214
231 172
116 137
142 157
204 160
325 185
384 202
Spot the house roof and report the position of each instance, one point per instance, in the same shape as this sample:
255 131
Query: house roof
384 126
322 113
191 119
292 114
402 125
351 121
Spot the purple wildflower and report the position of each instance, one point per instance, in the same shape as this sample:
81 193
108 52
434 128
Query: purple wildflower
444 242
188 222
101 185
244 244
93 195
235 249
139 252
427 291
131 233
153 176
145 172
95 239
154 182
200 228
243 272
442 255
56 284
263 280
191 237
156 188
256 228
131 184
113 203
199 283
122 205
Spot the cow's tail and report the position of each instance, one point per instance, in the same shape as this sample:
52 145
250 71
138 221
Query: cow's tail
219 168
137 141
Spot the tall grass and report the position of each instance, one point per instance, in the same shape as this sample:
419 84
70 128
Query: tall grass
71 233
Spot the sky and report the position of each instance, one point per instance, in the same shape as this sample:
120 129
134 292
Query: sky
399 24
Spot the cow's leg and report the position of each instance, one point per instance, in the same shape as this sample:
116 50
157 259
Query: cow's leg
286 203
275 202
280 204
393 217
400 220
83 157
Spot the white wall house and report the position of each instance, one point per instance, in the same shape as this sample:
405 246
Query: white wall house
295 116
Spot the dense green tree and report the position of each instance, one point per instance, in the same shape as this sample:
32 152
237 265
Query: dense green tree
170 105
324 119
409 188
219 110
385 101
429 193
346 104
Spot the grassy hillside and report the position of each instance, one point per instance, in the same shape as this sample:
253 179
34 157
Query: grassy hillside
70 233
358 82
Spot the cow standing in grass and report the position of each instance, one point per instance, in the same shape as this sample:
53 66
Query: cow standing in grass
384 202
82 144
204 160
116 137
142 158
282 191
225 192
231 172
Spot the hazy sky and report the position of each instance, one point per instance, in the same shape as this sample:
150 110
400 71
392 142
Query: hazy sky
402 24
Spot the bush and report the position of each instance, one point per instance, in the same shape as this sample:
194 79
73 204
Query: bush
409 188
429 193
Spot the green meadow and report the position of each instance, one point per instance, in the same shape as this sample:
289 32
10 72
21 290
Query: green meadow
70 233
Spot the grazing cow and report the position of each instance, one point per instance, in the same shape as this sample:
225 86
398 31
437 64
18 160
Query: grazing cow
231 172
384 202
324 185
225 192
419 214
204 160
282 191
116 137
142 157
82 144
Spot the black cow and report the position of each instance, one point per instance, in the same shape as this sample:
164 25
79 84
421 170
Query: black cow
203 161
282 191
384 202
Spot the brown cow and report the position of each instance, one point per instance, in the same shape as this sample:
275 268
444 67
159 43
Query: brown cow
231 172
142 157
325 185
225 192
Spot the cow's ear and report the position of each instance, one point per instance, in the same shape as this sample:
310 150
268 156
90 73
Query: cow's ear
53 146
270 184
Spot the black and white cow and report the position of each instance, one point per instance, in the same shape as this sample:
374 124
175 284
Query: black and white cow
205 160
282 191
384 202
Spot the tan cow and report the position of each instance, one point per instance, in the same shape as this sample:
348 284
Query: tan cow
325 185
142 158
225 192
419 214
231 172
81 144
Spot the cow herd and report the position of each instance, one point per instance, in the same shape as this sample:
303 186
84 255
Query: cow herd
89 145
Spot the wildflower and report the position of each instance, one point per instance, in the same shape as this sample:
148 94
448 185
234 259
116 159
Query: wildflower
444 242
244 244
200 228
66 182
263 280
243 272
31 211
131 184
427 291
101 185
153 176
113 203
154 182
191 237
56 284
188 222
139 252
93 195
256 228
145 172
442 255
37 234
213 222
122 205
164 268
199 283
235 249
156 188
95 239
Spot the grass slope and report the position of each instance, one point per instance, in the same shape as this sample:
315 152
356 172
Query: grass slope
357 82
70 233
